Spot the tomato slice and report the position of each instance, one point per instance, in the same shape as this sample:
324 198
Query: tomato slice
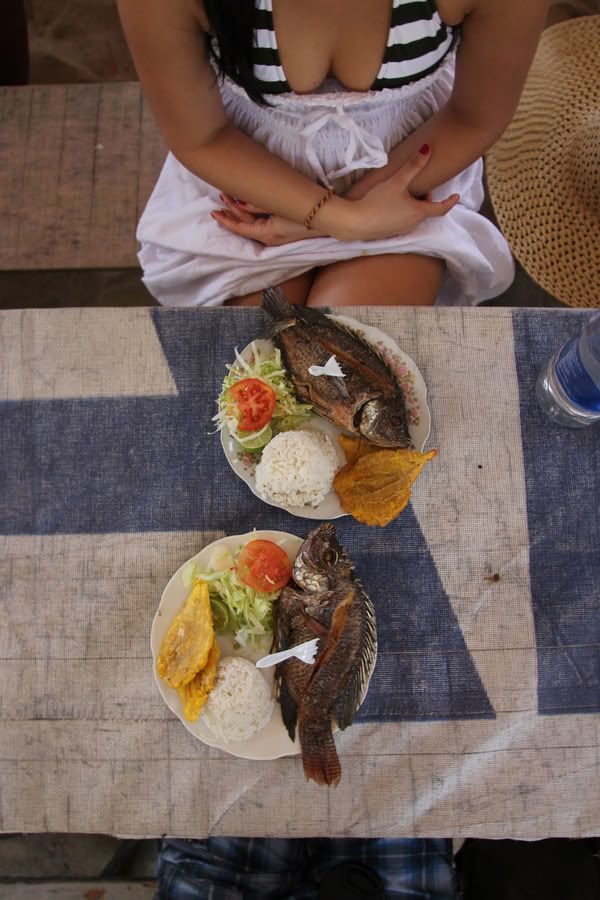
253 403
264 566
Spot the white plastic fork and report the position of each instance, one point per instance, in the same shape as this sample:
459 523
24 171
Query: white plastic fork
306 652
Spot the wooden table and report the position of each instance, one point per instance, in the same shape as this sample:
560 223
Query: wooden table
77 165
482 717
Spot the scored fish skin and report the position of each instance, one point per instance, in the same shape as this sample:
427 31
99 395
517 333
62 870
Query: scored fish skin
328 602
368 401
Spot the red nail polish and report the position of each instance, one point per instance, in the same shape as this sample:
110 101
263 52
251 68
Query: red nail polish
425 149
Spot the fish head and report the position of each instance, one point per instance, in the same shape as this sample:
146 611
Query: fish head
321 561
383 422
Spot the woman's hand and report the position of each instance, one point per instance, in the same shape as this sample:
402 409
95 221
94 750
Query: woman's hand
251 222
389 208
386 210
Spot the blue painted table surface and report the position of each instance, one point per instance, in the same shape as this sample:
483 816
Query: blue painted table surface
482 713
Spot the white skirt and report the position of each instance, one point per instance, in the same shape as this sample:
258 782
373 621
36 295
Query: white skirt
334 136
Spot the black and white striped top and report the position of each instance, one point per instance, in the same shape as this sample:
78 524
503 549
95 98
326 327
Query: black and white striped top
417 43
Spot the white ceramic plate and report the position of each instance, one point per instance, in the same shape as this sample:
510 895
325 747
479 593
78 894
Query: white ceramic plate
415 395
273 741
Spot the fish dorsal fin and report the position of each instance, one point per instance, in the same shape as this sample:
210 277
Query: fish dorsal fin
276 328
276 304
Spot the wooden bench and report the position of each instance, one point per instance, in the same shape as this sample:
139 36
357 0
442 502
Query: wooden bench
77 164
79 890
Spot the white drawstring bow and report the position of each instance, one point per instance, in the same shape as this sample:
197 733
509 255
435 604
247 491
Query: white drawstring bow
363 150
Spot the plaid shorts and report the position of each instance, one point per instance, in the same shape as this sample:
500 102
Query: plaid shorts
281 869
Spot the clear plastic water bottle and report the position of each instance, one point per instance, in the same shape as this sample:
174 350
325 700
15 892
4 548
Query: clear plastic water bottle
568 388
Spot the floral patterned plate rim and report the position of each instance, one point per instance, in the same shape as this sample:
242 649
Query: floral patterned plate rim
415 394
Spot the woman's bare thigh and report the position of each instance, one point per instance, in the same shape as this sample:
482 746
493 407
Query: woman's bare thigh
296 290
394 279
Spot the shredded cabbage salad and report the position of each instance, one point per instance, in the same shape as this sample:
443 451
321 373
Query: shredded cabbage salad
239 610
289 413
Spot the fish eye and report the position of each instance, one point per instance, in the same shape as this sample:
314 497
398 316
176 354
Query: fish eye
330 556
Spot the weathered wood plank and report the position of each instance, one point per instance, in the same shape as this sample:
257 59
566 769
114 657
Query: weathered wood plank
77 164
114 204
15 110
79 890
76 180
152 156
40 195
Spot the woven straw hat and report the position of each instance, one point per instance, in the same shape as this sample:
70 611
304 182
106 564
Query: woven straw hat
544 173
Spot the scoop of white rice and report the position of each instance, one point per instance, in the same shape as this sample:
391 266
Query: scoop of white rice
297 468
241 702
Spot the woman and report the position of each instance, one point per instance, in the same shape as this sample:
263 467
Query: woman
389 102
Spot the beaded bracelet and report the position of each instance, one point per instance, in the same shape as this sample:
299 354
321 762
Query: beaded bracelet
317 207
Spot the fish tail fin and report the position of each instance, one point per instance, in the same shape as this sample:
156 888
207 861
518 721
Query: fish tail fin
319 756
276 303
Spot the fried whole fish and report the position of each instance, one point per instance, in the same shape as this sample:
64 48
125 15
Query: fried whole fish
328 601
368 401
